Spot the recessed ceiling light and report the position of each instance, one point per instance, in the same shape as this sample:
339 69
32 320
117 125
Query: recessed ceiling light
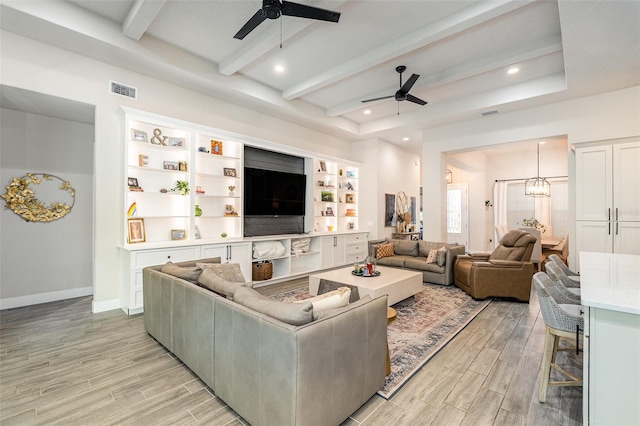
513 70
405 139
367 111
279 68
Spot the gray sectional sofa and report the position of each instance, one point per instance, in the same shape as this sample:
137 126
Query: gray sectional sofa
268 371
413 255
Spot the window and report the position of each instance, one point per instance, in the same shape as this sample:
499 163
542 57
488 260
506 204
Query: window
519 206
454 211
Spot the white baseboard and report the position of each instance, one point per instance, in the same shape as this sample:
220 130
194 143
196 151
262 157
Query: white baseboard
106 305
36 299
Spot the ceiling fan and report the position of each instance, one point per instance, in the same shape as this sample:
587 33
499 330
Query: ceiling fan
403 93
272 9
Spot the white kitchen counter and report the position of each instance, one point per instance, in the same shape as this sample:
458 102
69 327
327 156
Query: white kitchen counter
610 293
610 281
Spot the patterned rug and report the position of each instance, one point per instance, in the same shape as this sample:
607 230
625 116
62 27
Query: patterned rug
425 324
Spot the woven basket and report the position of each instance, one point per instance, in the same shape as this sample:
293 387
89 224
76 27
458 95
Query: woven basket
261 271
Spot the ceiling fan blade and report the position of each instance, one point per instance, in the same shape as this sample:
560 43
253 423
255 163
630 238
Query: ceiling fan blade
415 100
251 24
310 12
409 83
378 99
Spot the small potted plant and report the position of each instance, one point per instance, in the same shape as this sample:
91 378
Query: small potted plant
182 186
533 223
231 189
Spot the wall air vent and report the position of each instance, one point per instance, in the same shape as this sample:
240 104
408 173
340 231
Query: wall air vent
123 90
491 112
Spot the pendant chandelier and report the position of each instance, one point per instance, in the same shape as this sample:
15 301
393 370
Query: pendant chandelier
537 186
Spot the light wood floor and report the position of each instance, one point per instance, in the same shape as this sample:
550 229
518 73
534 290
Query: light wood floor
61 364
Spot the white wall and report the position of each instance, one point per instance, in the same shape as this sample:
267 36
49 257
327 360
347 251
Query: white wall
607 116
388 169
46 261
42 68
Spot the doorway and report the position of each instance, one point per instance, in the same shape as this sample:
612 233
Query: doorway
458 213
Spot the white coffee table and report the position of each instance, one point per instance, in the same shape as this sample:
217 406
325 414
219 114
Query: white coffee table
397 283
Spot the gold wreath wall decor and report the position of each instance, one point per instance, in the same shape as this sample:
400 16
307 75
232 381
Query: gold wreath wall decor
21 198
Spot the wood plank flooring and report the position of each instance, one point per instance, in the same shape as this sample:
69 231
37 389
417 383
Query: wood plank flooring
61 364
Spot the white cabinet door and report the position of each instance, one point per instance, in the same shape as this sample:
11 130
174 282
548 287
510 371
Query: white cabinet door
594 236
594 183
333 251
231 253
626 179
626 238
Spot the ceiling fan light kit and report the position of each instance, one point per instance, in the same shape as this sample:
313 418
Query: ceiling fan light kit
273 9
403 94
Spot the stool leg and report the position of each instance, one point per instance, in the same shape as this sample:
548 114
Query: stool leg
547 356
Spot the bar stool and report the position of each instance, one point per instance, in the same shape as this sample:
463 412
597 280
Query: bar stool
573 276
561 321
570 293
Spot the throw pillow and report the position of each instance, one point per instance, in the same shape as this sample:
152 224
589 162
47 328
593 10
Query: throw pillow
190 273
291 313
333 312
431 258
210 280
441 256
384 250
327 301
228 271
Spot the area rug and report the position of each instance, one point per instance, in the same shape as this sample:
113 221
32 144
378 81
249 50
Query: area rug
425 324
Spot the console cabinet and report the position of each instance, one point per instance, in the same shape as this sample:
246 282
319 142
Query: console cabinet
160 223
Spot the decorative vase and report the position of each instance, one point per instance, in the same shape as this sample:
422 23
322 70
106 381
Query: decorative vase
198 210
231 193
400 227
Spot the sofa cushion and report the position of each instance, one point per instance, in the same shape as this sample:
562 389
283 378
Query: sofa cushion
420 264
431 257
441 256
190 273
405 247
397 261
228 271
384 250
212 281
291 313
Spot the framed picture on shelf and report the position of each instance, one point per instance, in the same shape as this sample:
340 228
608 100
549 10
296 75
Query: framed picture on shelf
139 135
229 172
132 182
171 165
177 142
350 198
136 233
182 166
216 147
178 234
323 166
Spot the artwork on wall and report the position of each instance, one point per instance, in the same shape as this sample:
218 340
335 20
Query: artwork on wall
389 208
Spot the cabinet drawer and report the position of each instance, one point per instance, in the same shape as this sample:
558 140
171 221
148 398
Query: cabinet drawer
356 238
356 257
357 248
160 257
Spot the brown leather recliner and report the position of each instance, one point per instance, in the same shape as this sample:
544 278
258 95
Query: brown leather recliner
506 272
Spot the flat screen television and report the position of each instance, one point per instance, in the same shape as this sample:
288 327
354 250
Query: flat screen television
270 193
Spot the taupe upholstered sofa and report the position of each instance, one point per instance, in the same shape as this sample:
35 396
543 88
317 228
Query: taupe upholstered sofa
268 371
413 255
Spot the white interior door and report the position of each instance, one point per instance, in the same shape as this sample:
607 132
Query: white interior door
457 214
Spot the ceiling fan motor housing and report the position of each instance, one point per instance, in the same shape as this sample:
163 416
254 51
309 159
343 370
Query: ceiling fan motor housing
271 9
